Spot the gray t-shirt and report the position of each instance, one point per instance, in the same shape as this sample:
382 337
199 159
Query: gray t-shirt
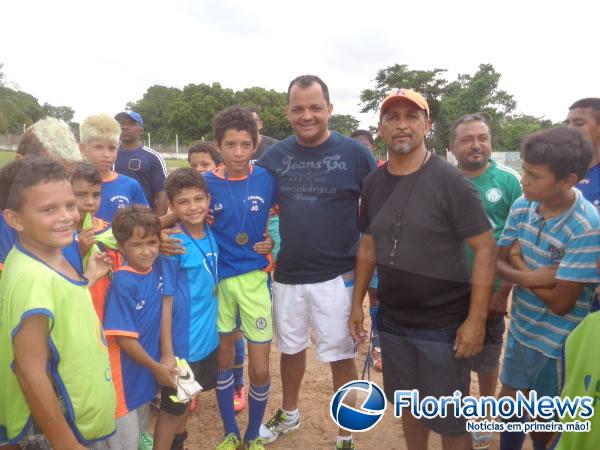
318 190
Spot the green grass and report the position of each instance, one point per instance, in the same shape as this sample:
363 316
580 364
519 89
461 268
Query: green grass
6 157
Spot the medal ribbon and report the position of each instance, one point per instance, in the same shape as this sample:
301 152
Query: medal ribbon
211 268
246 190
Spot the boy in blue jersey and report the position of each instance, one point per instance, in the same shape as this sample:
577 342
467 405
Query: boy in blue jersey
189 328
549 248
204 157
132 323
99 135
241 196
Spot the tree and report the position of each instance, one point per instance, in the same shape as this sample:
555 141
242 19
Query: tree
60 112
428 82
2 74
343 123
156 108
17 109
447 100
189 112
514 128
271 108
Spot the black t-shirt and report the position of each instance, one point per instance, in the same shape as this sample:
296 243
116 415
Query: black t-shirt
265 143
427 286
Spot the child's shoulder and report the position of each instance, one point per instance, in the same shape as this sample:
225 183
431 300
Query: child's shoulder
586 216
20 267
522 206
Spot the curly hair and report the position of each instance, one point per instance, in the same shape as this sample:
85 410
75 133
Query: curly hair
184 178
126 219
234 118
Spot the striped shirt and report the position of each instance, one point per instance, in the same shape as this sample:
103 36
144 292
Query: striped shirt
571 241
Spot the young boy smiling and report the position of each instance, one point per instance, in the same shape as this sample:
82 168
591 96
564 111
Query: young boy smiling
189 321
132 323
54 363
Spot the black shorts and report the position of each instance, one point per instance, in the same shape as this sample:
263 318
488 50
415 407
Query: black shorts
424 359
488 359
205 373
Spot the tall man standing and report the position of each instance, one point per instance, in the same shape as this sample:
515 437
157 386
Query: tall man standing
499 186
319 174
142 163
416 213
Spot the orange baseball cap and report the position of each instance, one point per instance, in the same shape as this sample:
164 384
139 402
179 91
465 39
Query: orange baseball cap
405 94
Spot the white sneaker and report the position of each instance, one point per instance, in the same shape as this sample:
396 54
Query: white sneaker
187 386
280 423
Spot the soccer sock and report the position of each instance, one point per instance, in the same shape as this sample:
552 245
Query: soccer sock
539 445
225 401
373 310
178 441
238 363
513 440
257 402
291 414
342 439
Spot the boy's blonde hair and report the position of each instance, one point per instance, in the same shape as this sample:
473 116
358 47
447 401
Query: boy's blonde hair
50 137
99 126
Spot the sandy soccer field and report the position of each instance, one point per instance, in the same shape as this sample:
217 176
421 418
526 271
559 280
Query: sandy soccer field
317 431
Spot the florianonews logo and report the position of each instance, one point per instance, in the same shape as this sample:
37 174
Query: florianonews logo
367 415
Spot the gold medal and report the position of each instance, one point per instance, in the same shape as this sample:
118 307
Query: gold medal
216 291
241 238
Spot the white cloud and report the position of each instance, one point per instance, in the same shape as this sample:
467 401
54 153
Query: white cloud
99 56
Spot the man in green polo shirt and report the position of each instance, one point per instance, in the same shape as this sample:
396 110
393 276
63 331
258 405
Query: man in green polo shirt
499 187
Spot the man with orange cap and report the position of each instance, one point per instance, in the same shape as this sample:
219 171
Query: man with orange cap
416 213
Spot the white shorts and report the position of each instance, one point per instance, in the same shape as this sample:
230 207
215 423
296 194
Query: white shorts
129 428
325 306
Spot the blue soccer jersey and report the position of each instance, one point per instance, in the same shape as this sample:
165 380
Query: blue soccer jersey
240 205
571 241
133 309
590 185
119 191
8 237
191 279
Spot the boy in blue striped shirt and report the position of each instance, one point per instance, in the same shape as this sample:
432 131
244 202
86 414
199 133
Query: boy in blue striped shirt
549 248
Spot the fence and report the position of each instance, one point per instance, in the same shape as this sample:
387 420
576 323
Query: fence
9 141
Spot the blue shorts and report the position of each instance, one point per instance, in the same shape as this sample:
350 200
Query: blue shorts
488 359
374 280
424 359
524 368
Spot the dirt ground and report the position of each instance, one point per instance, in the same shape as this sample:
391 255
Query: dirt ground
317 431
